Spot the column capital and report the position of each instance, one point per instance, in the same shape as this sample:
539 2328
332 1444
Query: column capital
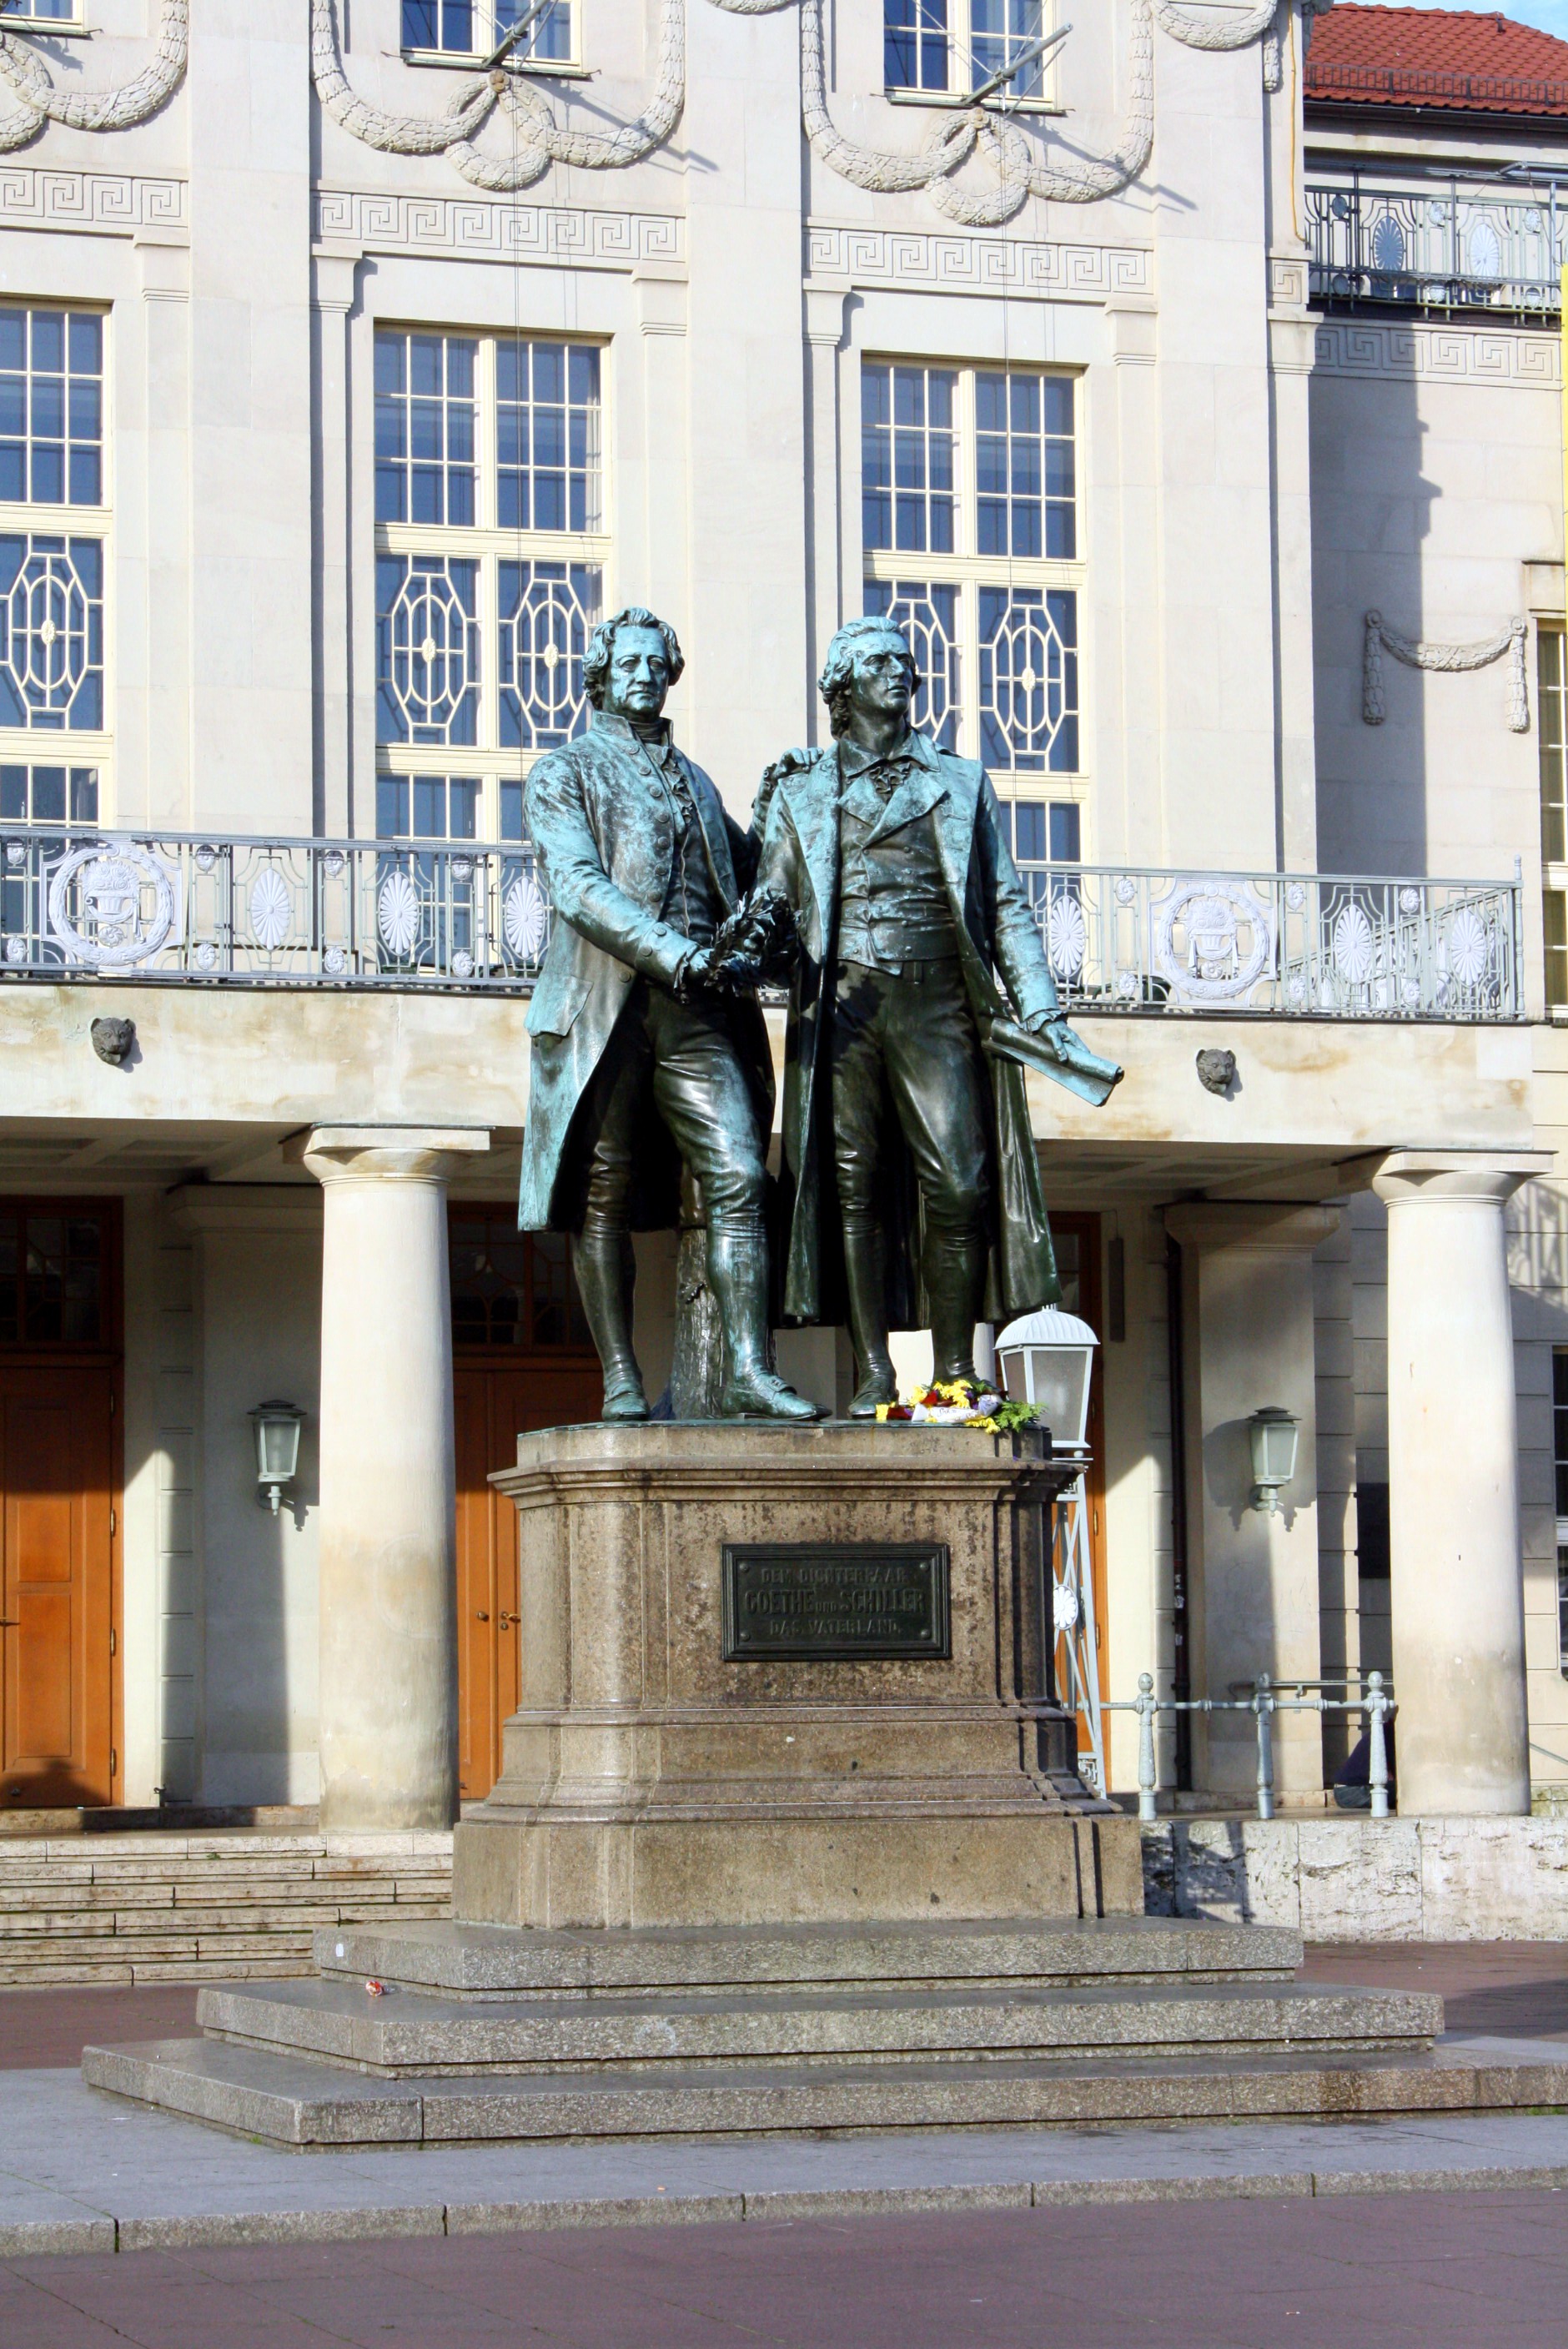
1486 1177
1219 1224
384 1153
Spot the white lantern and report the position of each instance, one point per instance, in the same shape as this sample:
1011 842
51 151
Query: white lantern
277 1427
1046 1359
1273 1433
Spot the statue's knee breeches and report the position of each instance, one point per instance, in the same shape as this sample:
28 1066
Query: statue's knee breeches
957 1203
734 1185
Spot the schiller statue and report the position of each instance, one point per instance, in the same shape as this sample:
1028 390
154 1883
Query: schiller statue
920 993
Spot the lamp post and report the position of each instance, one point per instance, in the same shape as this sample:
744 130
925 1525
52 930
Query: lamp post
1048 1359
1274 1434
277 1426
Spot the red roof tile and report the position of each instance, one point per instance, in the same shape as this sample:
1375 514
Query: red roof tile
1436 57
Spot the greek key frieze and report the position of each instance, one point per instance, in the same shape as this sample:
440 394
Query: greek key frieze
873 256
1453 354
462 225
89 200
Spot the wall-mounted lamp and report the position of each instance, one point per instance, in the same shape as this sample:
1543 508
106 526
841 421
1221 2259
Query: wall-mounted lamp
1047 1358
277 1427
1274 1434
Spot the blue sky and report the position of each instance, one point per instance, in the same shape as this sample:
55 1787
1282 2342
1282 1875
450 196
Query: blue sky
1552 16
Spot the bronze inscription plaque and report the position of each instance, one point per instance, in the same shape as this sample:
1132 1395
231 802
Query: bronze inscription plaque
815 1601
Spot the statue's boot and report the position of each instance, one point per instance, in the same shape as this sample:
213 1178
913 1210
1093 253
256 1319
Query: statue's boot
956 1286
605 1271
864 1279
737 1275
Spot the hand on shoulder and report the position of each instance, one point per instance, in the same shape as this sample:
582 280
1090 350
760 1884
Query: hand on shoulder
789 762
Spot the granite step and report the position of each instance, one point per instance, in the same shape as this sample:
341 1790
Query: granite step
484 1962
202 1906
289 2101
400 2036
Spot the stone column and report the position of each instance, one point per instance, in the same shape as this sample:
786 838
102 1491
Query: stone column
1254 1578
388 1573
1453 1481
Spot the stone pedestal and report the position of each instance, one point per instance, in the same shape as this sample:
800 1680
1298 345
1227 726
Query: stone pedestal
648 1780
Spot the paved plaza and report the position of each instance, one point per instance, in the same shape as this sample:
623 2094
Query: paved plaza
120 2224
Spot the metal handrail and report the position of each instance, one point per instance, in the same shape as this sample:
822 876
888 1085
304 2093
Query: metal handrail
1263 1703
82 903
1452 246
474 916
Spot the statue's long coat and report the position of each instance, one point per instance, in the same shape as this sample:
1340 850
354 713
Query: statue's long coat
606 837
997 933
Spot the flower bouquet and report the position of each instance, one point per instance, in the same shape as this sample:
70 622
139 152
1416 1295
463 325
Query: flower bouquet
953 1402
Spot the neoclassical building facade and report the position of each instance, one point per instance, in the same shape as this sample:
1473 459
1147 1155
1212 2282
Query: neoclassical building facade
355 356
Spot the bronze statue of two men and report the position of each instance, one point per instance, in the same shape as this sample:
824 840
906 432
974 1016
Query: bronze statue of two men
919 990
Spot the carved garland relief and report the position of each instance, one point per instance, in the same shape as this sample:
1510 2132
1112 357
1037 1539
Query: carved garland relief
1017 163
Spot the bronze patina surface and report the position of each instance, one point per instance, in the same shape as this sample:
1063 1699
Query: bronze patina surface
645 1053
921 989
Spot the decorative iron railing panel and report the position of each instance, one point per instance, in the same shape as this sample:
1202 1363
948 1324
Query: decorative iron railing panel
1450 247
1292 945
475 917
279 912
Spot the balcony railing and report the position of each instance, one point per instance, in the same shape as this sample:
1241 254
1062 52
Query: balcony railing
474 919
1292 945
1450 248
270 912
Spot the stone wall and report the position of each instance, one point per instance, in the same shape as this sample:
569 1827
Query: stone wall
1362 1880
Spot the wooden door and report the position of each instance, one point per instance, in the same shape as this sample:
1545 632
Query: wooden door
1078 1245
495 1405
522 1359
57 1527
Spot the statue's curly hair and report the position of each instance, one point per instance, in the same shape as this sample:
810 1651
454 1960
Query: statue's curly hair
601 643
839 665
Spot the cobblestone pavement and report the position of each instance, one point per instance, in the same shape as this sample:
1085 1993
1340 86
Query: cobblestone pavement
1299 2247
1424 2271
1515 1988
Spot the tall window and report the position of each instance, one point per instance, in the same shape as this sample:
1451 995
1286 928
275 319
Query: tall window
1552 704
970 527
476 28
490 550
53 522
954 45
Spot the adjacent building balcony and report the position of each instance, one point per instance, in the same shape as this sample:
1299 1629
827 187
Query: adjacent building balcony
473 917
1450 247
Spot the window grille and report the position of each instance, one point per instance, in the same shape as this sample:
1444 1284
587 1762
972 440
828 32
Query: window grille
48 795
907 457
54 523
513 1289
971 536
954 45
490 554
475 28
425 416
51 407
54 1257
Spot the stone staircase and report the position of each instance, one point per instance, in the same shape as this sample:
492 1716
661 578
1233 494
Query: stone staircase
448 2033
191 1905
